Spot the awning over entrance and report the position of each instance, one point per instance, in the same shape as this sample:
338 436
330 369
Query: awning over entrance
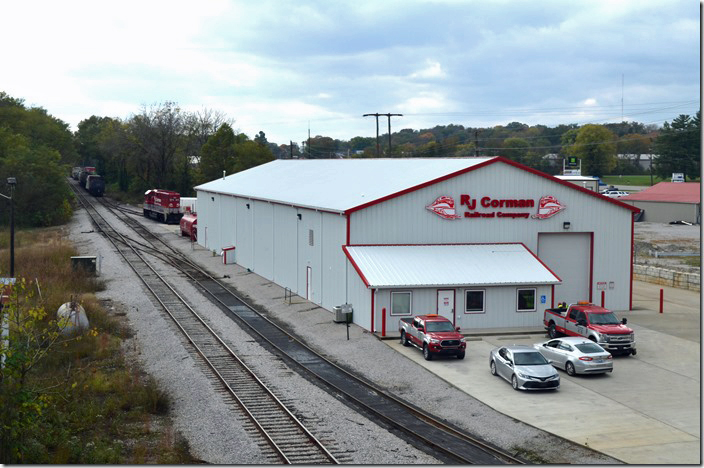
396 266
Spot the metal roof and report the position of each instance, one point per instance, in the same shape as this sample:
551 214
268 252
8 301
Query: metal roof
398 266
674 192
336 184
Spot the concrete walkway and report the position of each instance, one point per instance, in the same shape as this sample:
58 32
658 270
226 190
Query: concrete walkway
648 411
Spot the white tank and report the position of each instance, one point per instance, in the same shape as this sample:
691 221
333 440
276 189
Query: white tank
74 316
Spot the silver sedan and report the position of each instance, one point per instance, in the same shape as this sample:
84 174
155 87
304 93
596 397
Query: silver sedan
576 355
524 367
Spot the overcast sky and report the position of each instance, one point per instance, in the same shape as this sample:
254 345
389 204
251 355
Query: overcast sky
283 67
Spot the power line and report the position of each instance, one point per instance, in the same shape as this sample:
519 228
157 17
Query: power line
377 129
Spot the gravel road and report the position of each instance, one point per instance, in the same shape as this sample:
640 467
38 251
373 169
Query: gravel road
215 429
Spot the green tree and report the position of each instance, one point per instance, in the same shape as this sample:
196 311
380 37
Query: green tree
679 147
218 154
516 149
33 148
250 154
595 146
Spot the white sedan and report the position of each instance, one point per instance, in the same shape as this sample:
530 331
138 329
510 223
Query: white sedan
615 193
576 355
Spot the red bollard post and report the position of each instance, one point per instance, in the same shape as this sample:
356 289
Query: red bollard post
383 321
603 294
661 299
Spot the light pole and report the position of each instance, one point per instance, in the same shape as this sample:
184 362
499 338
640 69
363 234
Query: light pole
11 181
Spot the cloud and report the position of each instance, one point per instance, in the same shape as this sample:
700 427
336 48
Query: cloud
277 65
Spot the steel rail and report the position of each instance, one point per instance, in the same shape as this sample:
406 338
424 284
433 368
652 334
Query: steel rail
283 452
431 420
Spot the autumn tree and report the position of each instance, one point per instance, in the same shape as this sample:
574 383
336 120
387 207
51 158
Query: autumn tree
595 146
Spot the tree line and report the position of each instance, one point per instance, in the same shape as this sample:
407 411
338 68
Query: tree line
163 146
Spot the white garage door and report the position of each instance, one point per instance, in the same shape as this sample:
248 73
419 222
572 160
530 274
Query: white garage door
569 256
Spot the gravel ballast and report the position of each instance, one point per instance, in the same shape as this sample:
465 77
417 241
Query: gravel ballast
215 429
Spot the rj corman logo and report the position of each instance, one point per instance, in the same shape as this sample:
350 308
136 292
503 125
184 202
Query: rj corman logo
548 206
444 206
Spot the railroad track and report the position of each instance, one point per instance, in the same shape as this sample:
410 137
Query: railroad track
284 433
438 438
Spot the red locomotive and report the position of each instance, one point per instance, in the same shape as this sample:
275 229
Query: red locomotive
163 205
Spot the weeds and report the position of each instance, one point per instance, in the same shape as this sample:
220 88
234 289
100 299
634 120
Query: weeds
92 405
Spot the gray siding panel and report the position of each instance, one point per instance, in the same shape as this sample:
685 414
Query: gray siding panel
264 239
285 247
405 220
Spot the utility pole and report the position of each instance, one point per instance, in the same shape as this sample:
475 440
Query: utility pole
377 129
476 143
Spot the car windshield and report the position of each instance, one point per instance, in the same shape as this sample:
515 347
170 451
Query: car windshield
589 348
603 319
529 359
438 327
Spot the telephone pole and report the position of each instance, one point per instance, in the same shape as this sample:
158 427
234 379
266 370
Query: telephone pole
377 129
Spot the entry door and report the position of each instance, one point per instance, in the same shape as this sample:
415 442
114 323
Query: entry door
309 283
446 304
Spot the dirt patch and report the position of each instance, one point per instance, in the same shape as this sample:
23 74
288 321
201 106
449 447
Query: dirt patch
654 241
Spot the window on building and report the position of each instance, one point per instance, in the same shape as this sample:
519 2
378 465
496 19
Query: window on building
474 301
311 239
526 300
401 303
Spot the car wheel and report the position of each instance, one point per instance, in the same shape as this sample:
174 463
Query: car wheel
460 355
593 339
569 368
426 353
492 367
404 338
552 332
633 352
514 382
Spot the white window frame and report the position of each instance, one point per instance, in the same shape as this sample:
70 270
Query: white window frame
483 311
410 302
535 299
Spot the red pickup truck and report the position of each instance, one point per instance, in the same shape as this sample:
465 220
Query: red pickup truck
433 334
593 322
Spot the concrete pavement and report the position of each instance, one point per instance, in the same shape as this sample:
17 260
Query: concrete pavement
648 411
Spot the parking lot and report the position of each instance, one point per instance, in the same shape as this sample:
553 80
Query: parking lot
646 411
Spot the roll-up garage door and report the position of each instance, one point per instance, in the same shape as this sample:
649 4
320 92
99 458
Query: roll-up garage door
569 256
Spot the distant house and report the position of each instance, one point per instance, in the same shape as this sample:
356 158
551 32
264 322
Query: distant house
668 201
642 160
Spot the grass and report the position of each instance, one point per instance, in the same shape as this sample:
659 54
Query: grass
102 408
635 180
693 261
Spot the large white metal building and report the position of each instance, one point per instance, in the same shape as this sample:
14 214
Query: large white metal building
486 242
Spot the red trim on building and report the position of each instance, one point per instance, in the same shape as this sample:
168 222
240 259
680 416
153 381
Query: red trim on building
484 164
538 259
591 265
348 229
552 299
356 267
418 187
371 328
633 236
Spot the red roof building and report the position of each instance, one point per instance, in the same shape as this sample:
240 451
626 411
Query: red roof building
668 201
